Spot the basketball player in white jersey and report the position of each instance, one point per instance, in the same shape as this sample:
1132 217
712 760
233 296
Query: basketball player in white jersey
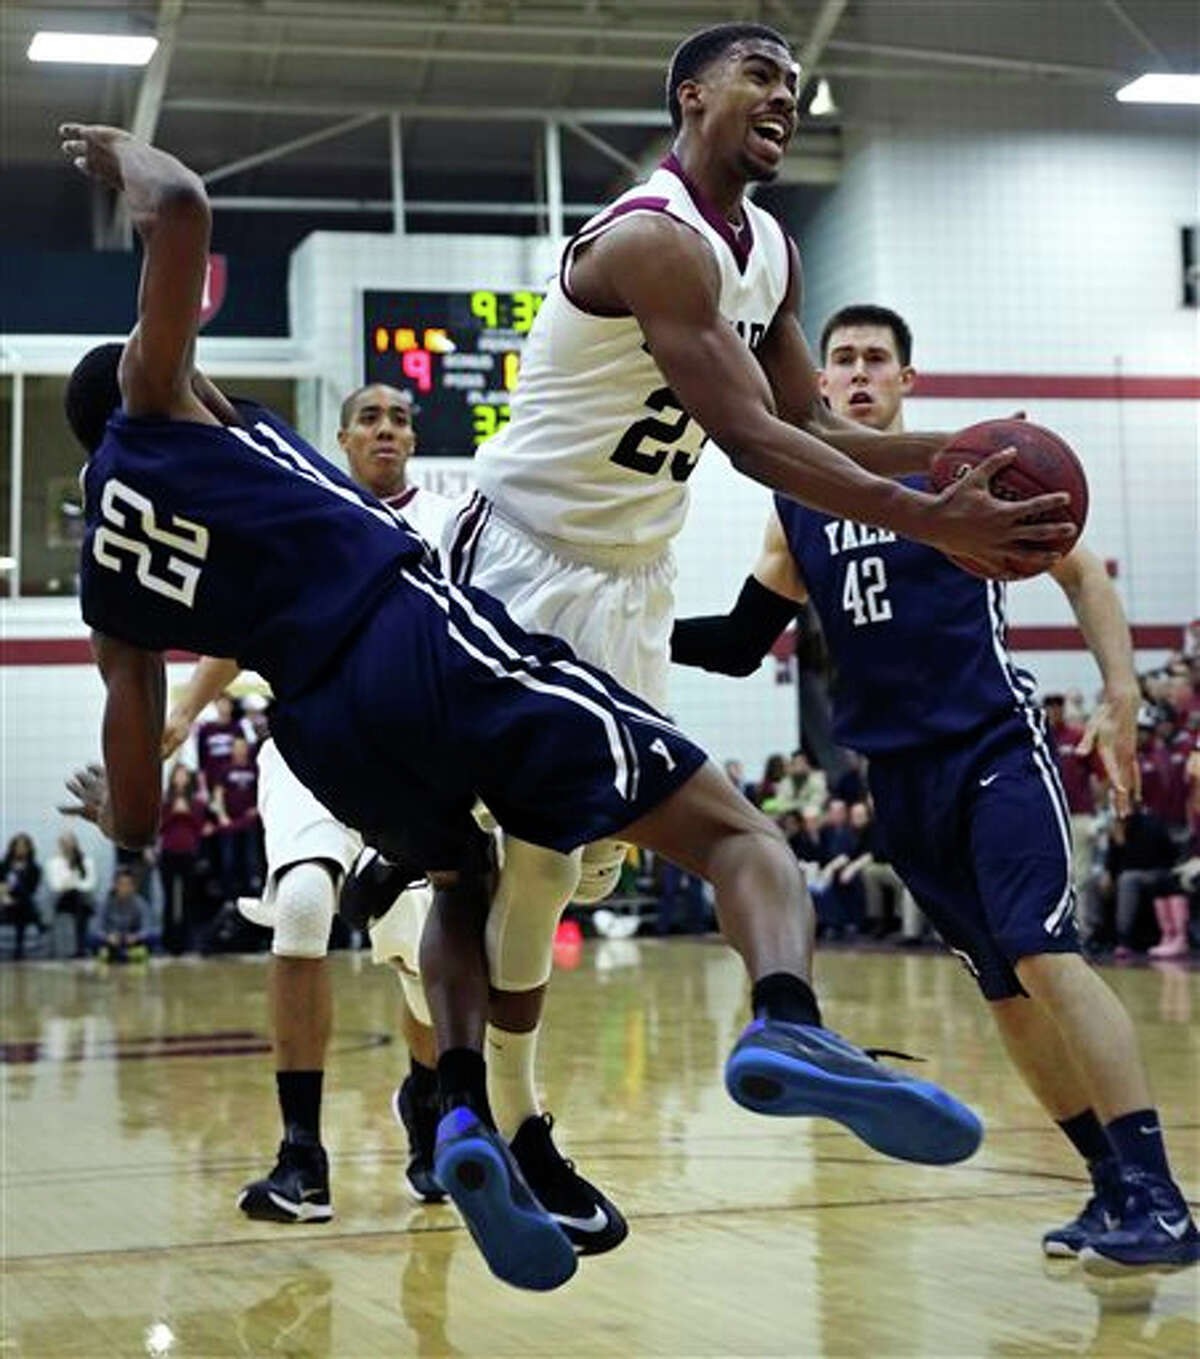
308 854
673 320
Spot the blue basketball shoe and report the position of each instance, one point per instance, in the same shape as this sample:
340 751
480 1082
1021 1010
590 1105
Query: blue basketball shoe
798 1069
1101 1213
1156 1231
520 1241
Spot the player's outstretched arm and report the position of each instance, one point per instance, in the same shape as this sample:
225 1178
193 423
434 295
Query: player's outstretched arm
124 798
666 276
1113 727
210 677
788 363
169 209
736 643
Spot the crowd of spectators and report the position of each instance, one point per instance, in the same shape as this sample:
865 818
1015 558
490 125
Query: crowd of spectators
180 896
1137 881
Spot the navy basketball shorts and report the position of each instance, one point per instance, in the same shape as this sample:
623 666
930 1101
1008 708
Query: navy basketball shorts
979 831
441 699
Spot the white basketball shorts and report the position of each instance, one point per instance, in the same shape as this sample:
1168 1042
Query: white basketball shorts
295 825
617 618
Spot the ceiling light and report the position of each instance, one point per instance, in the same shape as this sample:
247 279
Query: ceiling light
92 49
823 102
1163 88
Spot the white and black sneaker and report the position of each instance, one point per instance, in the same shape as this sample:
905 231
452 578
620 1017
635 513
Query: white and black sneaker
297 1190
419 1115
590 1221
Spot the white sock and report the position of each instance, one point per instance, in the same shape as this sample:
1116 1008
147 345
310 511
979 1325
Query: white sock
511 1091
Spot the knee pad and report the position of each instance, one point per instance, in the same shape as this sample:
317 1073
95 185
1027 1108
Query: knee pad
600 871
304 900
534 888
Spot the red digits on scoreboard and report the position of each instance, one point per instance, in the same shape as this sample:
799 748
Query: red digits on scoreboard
417 364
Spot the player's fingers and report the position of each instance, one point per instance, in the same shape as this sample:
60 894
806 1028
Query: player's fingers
984 471
1051 504
1059 532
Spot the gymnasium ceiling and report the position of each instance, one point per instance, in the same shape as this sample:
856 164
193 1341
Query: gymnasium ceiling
243 77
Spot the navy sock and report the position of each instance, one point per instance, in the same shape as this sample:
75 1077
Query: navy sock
1137 1139
783 995
1086 1134
300 1104
462 1080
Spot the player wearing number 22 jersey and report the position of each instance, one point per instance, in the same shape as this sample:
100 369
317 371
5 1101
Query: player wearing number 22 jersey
247 543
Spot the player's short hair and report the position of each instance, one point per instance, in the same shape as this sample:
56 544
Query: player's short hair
92 394
699 51
869 314
351 402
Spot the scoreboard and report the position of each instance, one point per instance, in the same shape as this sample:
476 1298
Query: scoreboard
456 353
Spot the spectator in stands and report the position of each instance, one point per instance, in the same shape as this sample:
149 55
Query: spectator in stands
768 786
214 742
235 806
1173 743
1139 864
680 894
878 876
1181 693
801 789
803 832
839 842
20 878
182 828
848 882
124 934
851 784
1075 709
1080 768
71 876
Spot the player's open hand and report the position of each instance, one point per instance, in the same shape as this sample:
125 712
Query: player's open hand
1112 732
1002 535
90 147
89 787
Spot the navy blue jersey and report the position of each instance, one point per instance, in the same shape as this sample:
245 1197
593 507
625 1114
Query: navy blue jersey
919 645
233 541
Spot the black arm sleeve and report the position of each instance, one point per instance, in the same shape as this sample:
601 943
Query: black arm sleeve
734 643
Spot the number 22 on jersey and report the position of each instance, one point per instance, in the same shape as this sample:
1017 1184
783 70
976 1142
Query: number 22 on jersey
864 591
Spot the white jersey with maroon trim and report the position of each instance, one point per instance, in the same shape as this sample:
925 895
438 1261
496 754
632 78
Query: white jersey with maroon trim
425 511
598 451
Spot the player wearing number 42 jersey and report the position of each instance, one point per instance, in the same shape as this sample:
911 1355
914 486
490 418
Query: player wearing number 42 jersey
967 794
673 320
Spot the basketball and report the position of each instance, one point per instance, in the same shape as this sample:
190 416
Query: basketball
1044 463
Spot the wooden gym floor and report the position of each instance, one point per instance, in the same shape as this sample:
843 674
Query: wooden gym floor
136 1102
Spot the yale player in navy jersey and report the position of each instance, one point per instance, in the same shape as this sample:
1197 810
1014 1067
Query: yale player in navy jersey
213 527
967 794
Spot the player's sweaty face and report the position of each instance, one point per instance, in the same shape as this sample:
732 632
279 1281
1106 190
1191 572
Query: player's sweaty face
863 378
379 440
751 105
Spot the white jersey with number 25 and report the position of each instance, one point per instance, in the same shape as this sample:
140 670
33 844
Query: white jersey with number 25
598 452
